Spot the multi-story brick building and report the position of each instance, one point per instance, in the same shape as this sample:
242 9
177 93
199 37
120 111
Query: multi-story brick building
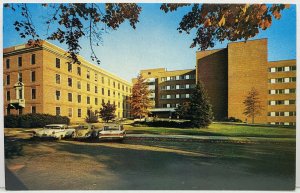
41 80
169 89
229 74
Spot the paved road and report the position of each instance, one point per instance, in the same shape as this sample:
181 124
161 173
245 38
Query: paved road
148 164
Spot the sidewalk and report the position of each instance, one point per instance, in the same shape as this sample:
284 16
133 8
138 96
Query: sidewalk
217 139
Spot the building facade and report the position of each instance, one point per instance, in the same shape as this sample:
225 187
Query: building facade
168 89
229 74
42 80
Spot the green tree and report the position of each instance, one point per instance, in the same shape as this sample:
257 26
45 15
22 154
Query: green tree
200 110
182 110
212 22
139 100
252 104
107 112
92 116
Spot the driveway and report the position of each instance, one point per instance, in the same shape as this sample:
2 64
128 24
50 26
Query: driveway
147 164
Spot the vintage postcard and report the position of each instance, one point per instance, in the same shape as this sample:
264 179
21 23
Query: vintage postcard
149 96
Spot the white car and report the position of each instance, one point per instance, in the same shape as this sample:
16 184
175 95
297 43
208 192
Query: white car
112 131
57 131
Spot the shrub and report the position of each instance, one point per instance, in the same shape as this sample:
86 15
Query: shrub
11 121
232 119
33 120
174 124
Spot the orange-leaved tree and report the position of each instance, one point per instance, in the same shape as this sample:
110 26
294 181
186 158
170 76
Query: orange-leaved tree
139 100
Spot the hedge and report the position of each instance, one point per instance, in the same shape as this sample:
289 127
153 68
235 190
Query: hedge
33 120
174 124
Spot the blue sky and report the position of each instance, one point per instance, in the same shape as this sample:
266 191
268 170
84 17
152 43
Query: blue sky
156 42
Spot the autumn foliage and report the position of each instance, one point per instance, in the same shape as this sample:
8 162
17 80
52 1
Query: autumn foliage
139 99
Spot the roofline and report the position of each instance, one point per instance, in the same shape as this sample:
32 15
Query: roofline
83 61
282 60
235 42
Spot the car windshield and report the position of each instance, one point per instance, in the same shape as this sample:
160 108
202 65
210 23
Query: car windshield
52 127
110 128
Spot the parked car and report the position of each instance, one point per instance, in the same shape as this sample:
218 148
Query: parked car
57 131
112 131
85 131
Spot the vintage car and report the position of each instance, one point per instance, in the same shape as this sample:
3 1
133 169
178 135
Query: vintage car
85 131
57 131
112 131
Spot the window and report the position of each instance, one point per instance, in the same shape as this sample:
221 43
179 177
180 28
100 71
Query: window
33 109
32 76
20 61
69 67
108 82
70 112
33 59
96 77
57 95
96 89
114 84
79 98
182 86
57 111
96 101
173 78
119 105
70 97
173 87
192 76
187 96
78 84
8 80
57 63
182 77
8 95
57 79
79 71
88 100
292 68
20 77
7 63
88 74
79 113
103 101
102 80
33 93
70 82
163 79
118 85
108 92
88 88
103 91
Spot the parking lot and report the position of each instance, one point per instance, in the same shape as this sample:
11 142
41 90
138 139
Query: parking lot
146 164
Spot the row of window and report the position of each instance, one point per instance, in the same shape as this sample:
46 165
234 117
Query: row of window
282 114
178 87
70 84
283 91
181 77
88 99
79 112
282 69
20 94
282 102
175 96
88 75
282 123
20 61
282 80
20 77
172 105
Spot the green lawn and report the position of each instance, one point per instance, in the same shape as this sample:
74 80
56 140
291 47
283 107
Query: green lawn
218 130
